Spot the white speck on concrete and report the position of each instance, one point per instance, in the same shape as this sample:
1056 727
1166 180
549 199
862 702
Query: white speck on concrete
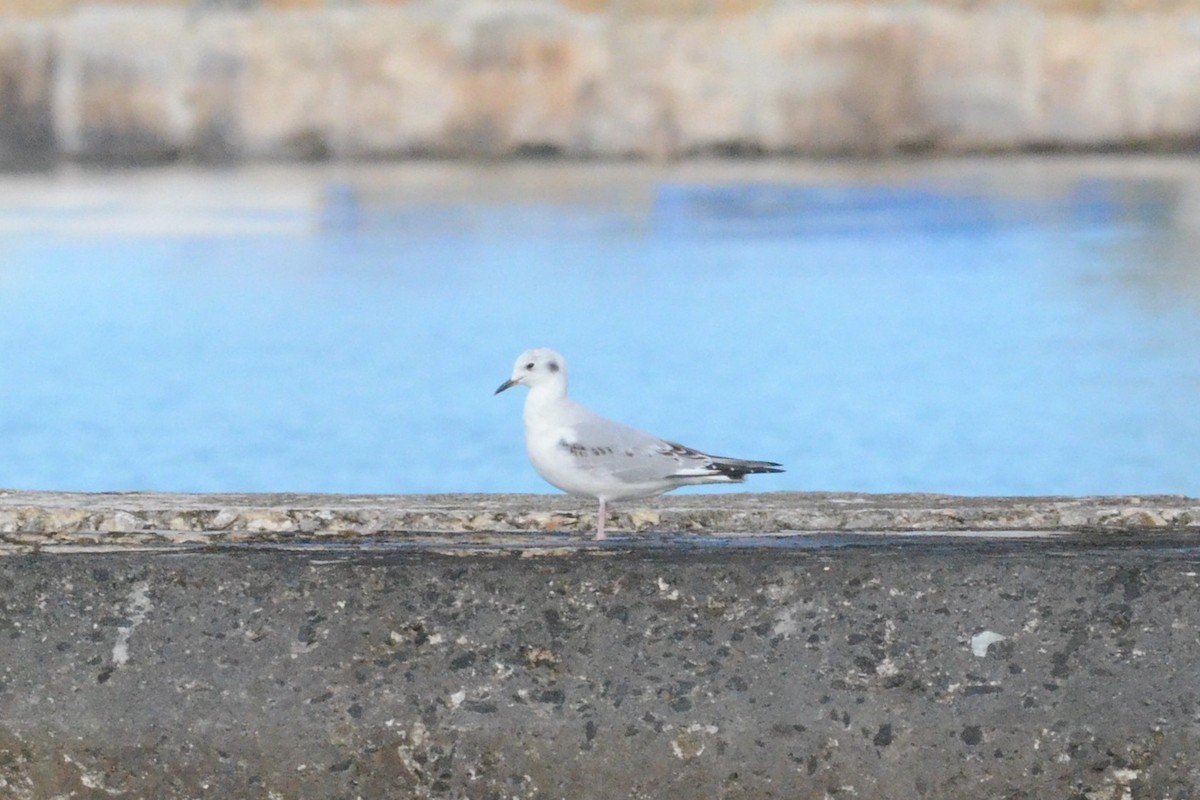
139 607
785 623
224 518
777 593
690 742
90 780
457 698
981 641
677 749
120 522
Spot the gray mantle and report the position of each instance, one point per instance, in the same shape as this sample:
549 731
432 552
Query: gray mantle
733 646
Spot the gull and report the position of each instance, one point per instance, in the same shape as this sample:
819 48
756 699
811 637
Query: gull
575 449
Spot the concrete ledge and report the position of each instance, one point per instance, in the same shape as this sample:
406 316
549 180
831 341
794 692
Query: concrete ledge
344 647
45 519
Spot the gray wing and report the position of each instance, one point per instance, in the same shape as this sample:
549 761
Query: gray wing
635 457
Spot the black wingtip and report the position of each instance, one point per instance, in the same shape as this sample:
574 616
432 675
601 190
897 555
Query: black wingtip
739 470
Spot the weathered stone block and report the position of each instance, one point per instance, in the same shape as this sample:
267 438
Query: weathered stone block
391 85
121 86
633 112
214 63
1107 80
286 98
845 80
710 84
485 80
524 79
26 110
33 8
977 76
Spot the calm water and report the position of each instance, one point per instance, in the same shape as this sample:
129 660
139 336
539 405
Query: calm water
994 328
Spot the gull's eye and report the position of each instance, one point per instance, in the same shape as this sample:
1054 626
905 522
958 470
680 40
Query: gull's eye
529 365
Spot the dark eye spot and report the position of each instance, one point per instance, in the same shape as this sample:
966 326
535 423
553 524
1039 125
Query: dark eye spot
529 365
553 366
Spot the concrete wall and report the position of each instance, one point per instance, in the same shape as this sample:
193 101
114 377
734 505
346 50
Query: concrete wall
340 647
230 80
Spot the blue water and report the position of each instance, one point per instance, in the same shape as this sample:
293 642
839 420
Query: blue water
871 336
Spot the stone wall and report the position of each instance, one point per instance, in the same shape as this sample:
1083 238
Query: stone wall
285 646
217 81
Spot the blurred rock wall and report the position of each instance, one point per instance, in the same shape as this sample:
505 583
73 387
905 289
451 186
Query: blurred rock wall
218 80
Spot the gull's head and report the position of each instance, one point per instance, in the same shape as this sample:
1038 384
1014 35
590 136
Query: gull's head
540 366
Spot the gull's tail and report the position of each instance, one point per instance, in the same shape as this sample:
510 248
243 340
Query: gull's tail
705 468
736 469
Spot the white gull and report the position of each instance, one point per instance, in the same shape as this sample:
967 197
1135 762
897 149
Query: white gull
585 454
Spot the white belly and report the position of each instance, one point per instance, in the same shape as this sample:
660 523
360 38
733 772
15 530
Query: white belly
558 467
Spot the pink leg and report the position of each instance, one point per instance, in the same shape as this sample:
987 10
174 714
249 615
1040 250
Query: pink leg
600 521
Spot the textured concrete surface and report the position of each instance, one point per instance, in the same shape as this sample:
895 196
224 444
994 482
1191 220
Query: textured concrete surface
48 519
895 664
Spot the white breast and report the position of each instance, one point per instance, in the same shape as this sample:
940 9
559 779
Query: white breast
548 448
